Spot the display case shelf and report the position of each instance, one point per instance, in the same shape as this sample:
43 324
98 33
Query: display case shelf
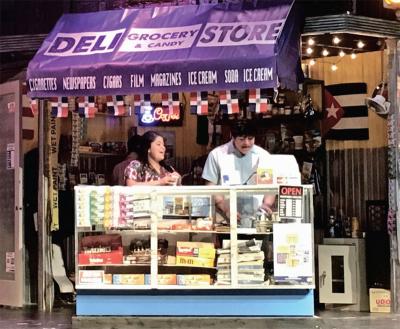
198 247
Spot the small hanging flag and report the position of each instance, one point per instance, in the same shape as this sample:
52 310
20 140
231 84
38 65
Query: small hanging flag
116 105
258 101
229 102
86 106
34 106
59 107
199 102
171 102
140 102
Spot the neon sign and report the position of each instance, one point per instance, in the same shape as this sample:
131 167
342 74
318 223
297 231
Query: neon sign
159 116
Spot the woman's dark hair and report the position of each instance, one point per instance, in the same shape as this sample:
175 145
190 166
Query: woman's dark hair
243 128
134 143
146 139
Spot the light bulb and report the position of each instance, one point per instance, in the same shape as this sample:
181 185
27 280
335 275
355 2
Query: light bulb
325 52
342 53
309 50
312 62
311 42
353 56
334 67
336 40
360 44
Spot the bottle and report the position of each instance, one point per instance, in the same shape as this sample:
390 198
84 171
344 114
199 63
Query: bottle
331 226
338 228
355 227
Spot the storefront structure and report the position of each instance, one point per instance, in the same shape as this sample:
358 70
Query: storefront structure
171 49
372 68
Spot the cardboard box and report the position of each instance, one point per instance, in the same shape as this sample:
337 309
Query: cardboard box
135 279
194 261
193 279
163 279
379 300
101 258
91 276
195 249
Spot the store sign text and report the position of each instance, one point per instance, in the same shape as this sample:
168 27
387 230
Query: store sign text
158 115
85 43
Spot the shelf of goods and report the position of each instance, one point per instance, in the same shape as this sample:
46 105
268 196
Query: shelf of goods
169 251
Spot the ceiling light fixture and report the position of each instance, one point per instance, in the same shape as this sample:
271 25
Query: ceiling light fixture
353 56
312 62
311 42
309 50
334 67
336 40
342 53
360 44
325 52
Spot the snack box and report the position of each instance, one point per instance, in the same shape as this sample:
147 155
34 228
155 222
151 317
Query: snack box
379 300
194 261
135 279
100 258
195 249
163 279
193 279
91 277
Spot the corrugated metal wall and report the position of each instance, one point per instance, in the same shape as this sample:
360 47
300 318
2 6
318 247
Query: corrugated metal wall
354 177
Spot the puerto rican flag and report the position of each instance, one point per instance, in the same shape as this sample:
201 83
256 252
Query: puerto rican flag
170 101
59 107
86 106
229 102
258 100
116 105
140 102
199 102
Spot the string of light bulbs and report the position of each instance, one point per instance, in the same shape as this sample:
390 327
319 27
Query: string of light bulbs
342 50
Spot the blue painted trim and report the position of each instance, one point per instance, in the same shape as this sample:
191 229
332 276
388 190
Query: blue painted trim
285 304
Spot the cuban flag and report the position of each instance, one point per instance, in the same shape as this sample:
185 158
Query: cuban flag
229 102
199 102
170 101
346 115
116 105
86 106
258 101
140 102
59 107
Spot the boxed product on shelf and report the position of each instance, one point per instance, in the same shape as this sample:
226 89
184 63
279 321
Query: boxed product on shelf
193 279
174 224
93 205
101 258
195 206
131 209
91 277
194 261
162 279
195 249
134 279
101 249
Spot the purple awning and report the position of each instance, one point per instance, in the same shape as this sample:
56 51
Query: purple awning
168 49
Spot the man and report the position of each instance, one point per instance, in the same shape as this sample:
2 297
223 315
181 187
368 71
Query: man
236 163
118 175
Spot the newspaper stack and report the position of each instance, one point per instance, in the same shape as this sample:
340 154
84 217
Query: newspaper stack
250 263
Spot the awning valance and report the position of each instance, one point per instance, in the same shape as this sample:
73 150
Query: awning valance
168 49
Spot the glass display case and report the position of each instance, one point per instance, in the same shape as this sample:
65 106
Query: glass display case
146 243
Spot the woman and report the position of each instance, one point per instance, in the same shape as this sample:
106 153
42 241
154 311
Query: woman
150 168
